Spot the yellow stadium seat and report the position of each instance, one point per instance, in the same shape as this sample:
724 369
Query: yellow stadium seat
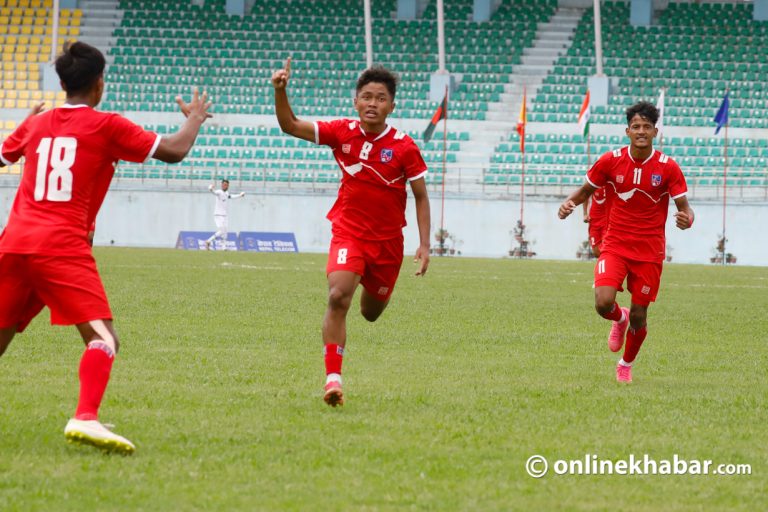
38 31
61 95
2 94
21 85
9 125
21 66
24 95
37 96
34 76
9 103
49 95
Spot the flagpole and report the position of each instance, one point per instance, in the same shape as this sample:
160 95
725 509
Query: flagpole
445 153
725 186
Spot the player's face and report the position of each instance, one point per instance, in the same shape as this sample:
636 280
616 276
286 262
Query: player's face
224 186
374 103
641 132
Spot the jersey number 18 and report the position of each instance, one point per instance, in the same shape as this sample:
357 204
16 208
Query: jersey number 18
59 155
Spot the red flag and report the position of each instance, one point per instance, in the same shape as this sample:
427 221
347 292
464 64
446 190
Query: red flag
440 113
521 124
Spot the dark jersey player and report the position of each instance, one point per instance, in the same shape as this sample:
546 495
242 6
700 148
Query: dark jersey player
643 181
368 217
45 255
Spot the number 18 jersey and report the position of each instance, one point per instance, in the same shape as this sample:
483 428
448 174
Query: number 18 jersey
70 156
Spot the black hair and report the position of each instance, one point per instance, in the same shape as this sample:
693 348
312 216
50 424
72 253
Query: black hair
79 67
380 75
225 181
645 110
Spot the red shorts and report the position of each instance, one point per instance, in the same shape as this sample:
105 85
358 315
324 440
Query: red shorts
377 261
643 277
69 285
596 235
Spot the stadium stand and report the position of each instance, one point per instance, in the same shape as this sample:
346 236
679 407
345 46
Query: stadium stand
153 57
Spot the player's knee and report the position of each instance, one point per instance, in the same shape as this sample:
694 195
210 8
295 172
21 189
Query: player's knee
638 317
339 299
603 307
370 314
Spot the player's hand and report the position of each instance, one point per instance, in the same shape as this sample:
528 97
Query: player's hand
198 106
586 219
281 76
422 255
210 187
36 109
242 194
566 209
683 220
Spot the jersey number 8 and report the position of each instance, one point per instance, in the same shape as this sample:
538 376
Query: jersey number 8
61 158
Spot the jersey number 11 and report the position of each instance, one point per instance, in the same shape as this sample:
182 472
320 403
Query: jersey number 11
59 155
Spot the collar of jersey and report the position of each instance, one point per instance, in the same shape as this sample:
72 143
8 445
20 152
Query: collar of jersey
629 154
67 105
382 134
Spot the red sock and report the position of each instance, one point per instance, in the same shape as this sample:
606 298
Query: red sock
635 338
95 367
334 354
614 314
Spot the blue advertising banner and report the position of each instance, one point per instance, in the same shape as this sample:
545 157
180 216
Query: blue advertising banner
267 242
195 241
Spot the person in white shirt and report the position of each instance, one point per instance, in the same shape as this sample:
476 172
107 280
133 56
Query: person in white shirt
221 211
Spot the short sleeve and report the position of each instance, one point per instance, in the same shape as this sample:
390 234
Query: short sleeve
131 142
327 132
677 185
12 148
597 176
415 167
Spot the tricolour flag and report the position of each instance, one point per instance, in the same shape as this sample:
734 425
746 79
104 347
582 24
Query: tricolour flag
521 121
440 113
584 116
721 118
660 107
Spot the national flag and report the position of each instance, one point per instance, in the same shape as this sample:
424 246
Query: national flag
440 113
660 107
521 121
584 116
721 118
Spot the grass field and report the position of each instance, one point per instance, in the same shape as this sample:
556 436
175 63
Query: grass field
471 371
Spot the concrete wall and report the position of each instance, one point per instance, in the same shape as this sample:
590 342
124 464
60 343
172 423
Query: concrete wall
154 218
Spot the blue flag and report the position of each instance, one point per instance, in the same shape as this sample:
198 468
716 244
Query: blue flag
721 118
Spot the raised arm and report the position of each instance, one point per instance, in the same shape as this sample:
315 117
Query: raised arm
684 214
419 189
577 197
175 147
289 123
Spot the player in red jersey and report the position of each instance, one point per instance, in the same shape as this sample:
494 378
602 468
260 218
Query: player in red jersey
644 180
369 215
45 258
596 211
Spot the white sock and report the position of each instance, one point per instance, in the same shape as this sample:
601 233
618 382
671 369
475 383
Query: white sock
333 377
622 362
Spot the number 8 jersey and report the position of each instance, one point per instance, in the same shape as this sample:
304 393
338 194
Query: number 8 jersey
70 156
375 169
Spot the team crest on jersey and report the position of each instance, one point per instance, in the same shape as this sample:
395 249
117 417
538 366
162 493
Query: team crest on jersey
386 155
619 179
655 180
346 148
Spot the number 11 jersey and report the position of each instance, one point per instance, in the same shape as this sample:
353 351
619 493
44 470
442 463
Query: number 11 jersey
70 157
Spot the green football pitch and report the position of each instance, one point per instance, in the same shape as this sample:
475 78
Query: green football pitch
470 372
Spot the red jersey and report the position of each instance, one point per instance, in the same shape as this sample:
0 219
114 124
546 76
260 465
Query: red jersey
70 155
372 196
641 201
600 206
